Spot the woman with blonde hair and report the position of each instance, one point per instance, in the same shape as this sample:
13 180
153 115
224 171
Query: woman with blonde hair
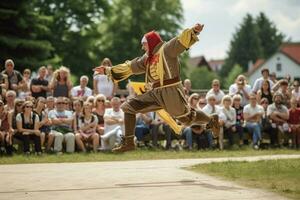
230 118
99 111
61 82
86 128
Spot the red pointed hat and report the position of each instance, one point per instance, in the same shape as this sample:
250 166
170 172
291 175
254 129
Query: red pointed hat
153 39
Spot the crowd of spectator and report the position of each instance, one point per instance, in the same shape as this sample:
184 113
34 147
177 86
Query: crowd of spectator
46 113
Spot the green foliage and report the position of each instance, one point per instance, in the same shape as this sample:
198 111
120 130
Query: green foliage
201 77
254 39
24 35
234 72
183 65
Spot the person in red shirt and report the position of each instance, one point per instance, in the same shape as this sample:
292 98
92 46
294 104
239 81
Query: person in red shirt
294 123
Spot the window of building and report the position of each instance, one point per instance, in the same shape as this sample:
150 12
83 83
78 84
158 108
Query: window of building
278 67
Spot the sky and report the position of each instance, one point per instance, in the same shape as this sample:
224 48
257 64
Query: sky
221 18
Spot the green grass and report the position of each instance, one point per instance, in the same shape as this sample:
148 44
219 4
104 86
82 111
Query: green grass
281 176
139 155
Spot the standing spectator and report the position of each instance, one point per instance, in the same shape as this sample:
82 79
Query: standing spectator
61 82
61 122
216 91
10 100
113 125
49 73
278 114
282 86
3 85
239 117
258 82
15 79
252 115
28 127
99 111
187 84
230 119
82 90
265 92
273 77
24 91
102 84
296 92
39 85
86 131
294 123
242 88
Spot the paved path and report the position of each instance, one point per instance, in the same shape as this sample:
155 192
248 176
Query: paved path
153 179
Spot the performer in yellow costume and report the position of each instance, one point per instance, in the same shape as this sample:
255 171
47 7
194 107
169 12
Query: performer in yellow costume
164 89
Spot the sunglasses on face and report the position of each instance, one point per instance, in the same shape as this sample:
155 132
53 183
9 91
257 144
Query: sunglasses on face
100 100
28 106
60 103
296 85
19 104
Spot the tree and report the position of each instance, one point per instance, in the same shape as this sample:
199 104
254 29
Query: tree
73 30
201 77
24 35
269 35
234 72
244 47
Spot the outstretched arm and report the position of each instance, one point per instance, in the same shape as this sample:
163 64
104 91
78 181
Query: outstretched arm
123 71
184 41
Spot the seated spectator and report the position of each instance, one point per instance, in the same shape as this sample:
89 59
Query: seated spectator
242 88
28 128
258 82
102 84
279 115
187 84
44 125
82 90
113 125
24 91
296 92
50 103
5 137
216 91
61 122
99 111
39 86
212 108
68 104
282 86
15 79
230 119
142 127
3 85
294 123
265 121
201 103
265 92
61 82
252 115
10 100
236 104
193 100
91 100
86 132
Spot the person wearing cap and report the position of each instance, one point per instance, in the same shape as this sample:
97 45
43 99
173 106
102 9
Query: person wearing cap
278 113
164 89
258 82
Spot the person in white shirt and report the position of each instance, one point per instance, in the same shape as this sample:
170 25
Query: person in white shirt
230 118
113 125
252 115
296 92
82 90
242 88
212 108
102 83
215 90
258 82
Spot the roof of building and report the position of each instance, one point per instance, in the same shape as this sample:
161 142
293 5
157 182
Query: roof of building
198 61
